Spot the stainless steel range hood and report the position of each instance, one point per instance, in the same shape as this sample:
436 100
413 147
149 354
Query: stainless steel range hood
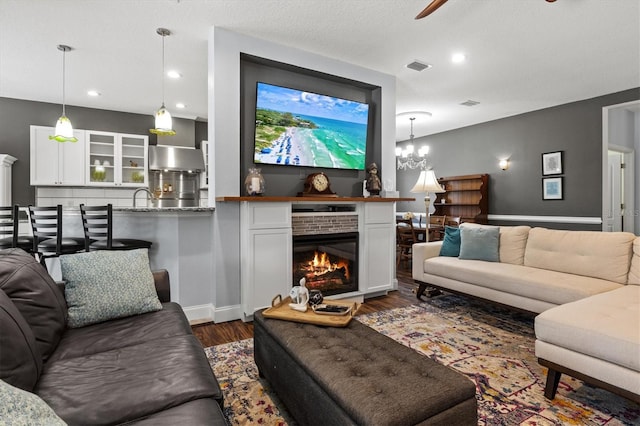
175 158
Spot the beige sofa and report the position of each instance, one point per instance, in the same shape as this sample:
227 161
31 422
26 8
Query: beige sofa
585 285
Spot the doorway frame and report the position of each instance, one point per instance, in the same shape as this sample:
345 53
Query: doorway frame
629 183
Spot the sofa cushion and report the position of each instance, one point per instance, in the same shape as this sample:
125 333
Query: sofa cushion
203 411
20 360
105 336
605 255
36 296
480 243
634 272
103 285
534 283
128 383
451 243
605 326
19 407
513 240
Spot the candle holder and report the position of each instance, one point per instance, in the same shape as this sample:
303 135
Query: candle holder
254 182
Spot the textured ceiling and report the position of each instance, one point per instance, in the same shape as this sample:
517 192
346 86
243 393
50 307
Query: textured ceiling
521 55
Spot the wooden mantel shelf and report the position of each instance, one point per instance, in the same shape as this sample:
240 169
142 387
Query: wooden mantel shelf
314 199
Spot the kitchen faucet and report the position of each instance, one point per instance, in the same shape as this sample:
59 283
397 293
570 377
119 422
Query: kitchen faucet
145 190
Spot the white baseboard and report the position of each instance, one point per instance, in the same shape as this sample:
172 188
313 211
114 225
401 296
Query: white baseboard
199 313
229 313
209 313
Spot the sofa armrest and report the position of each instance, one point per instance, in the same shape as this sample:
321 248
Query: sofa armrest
163 287
421 252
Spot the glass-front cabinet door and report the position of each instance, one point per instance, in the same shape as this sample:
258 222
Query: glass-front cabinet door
133 160
101 155
116 159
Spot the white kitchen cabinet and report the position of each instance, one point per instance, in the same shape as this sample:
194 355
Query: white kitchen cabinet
266 253
377 247
55 163
116 159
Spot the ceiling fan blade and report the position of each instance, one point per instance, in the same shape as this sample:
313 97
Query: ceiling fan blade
435 4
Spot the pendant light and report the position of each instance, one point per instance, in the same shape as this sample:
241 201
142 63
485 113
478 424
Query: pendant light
163 118
64 130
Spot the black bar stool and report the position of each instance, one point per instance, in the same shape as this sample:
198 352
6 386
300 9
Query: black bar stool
48 241
97 222
9 235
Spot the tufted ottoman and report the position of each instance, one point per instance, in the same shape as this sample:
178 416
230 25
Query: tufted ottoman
355 375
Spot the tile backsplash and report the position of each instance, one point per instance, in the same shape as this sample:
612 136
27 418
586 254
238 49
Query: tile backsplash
70 196
74 196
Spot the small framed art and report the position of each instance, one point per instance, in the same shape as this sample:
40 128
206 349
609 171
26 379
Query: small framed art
552 163
552 188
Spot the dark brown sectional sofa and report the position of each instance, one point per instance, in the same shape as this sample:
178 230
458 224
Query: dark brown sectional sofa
145 369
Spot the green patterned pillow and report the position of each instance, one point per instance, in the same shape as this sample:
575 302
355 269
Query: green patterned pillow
103 285
19 407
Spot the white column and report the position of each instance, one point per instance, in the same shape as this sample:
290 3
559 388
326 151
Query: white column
6 163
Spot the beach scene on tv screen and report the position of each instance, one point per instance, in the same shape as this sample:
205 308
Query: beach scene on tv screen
298 128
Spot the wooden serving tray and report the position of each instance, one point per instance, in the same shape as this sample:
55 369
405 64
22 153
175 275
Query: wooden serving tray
280 310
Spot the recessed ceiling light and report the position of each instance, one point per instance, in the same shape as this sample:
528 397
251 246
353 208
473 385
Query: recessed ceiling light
173 74
93 93
458 58
180 105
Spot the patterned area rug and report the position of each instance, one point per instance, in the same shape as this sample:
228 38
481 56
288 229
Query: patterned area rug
494 347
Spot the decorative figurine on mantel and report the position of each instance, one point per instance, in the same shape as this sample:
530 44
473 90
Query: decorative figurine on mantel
254 182
373 181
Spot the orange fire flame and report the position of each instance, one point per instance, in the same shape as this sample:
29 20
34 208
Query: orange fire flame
321 265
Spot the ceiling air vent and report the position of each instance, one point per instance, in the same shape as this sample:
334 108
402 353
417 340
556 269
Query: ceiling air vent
470 103
418 66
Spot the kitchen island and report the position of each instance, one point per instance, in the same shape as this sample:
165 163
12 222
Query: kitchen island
182 240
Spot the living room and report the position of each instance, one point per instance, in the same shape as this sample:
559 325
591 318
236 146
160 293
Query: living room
515 194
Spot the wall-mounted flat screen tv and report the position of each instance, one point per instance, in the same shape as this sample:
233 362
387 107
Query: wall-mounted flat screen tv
299 128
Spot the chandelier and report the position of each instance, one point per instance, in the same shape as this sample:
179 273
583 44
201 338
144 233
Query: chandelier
407 158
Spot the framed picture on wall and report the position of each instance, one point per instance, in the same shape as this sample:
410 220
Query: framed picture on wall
552 163
552 188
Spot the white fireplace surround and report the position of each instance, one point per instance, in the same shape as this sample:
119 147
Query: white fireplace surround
266 247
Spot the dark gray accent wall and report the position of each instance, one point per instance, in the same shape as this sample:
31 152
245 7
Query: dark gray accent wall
289 180
574 128
17 115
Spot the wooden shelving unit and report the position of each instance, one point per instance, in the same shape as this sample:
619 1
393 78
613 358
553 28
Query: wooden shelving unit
466 196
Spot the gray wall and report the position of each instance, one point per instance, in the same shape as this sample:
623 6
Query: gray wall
278 178
574 128
17 115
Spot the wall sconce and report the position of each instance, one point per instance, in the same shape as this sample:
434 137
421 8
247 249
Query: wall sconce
504 163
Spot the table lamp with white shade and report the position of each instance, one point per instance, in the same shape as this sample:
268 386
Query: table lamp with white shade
427 182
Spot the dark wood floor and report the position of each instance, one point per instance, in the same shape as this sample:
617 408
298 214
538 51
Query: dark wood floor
211 334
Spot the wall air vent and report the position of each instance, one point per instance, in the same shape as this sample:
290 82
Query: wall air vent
470 103
418 66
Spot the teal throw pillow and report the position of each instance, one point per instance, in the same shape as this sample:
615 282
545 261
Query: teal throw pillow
103 285
19 407
451 243
480 243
